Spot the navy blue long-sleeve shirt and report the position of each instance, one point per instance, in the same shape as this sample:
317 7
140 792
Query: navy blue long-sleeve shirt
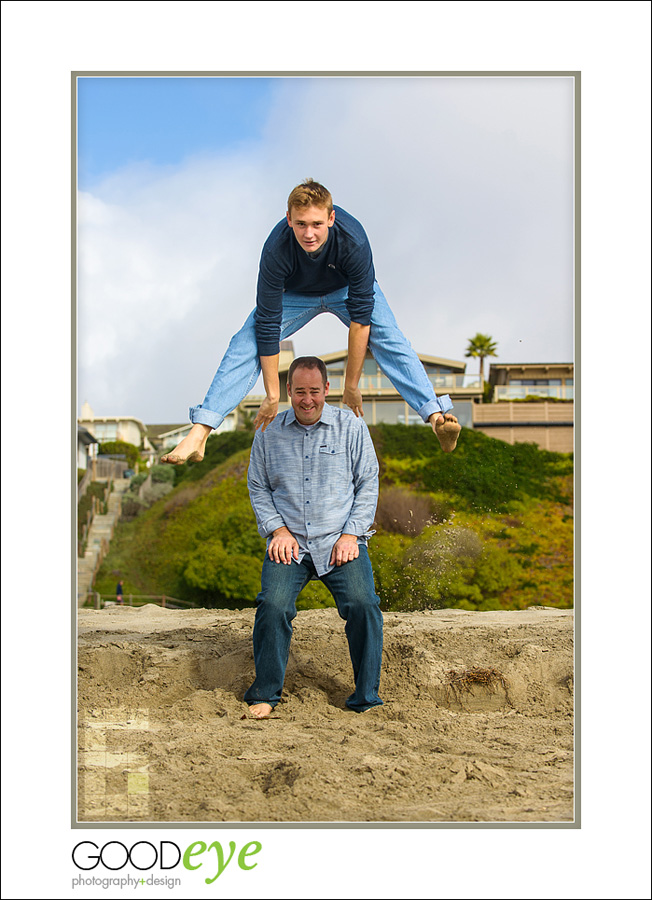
345 260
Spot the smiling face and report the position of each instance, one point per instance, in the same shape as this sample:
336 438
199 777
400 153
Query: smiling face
307 394
310 225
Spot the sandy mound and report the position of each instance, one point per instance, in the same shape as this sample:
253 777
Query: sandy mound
477 723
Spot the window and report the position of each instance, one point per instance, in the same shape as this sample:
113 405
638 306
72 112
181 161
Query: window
463 409
391 411
437 370
368 410
335 378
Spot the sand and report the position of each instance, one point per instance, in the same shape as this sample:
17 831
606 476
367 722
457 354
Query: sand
477 724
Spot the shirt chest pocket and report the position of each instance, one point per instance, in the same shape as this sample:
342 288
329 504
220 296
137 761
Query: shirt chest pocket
331 450
333 464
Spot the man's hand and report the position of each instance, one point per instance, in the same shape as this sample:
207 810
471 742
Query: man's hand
353 398
345 550
283 546
266 413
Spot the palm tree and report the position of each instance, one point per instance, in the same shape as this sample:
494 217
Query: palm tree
481 345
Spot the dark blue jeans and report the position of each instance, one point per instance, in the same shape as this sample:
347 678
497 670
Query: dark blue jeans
352 587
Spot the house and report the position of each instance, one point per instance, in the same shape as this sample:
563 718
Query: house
166 437
85 440
115 428
531 403
521 381
162 437
380 399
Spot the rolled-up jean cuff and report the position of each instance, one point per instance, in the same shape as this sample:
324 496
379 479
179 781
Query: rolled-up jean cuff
201 416
441 404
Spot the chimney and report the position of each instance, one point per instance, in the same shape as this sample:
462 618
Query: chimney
286 355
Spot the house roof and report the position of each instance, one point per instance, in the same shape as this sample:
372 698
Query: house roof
337 355
158 430
88 420
84 435
532 365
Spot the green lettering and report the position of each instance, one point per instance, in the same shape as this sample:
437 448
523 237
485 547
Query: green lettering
244 853
221 865
190 851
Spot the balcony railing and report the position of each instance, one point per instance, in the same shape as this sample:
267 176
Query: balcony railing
371 383
521 391
455 381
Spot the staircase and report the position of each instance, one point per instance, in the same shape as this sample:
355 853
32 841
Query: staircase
99 537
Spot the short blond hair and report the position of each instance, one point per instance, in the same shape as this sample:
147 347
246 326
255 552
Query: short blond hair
310 193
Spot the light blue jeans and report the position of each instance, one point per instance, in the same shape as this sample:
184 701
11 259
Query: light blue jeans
352 587
240 367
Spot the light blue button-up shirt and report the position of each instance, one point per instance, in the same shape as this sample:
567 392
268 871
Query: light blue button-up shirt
319 482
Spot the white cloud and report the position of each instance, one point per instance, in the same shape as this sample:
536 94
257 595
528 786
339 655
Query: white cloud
463 185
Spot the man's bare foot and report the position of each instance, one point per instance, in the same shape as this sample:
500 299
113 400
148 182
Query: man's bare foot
260 710
191 448
447 429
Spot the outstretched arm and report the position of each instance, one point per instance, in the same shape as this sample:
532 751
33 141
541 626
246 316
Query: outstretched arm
269 406
358 340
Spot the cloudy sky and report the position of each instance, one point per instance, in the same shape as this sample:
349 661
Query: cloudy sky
464 186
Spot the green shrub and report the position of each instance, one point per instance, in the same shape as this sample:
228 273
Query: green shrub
97 490
132 506
439 569
162 473
156 491
218 573
137 480
498 538
444 567
121 448
315 595
132 501
219 447
496 571
238 531
386 553
482 474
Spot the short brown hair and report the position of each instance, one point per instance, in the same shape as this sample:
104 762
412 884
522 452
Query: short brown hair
310 193
308 362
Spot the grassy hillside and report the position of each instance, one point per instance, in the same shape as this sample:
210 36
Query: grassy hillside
487 527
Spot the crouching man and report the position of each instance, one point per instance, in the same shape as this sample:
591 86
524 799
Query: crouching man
313 484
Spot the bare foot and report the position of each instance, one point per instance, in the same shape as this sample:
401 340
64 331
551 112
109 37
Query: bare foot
260 710
191 448
447 429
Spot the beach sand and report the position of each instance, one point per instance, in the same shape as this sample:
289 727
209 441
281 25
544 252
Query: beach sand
477 724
